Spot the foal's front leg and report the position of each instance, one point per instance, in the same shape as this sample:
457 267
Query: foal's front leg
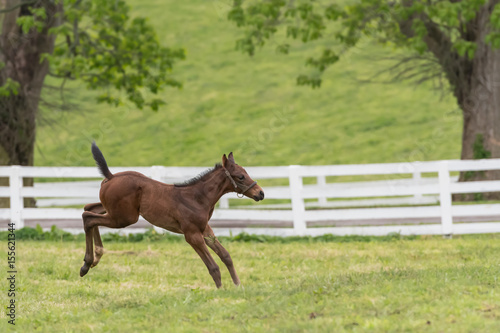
195 239
217 247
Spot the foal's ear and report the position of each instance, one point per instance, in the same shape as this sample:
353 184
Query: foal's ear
225 159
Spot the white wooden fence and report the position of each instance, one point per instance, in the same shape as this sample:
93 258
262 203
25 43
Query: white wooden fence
415 193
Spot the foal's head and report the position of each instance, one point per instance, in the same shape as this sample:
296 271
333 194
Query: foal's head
241 180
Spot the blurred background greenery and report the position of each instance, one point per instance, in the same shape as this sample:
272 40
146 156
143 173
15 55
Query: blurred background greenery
253 107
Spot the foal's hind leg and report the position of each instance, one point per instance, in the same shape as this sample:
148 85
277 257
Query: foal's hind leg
95 208
99 248
217 247
92 220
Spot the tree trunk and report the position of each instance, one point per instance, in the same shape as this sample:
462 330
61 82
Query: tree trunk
479 98
17 138
20 54
476 85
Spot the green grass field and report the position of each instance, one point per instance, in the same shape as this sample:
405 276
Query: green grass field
427 284
252 106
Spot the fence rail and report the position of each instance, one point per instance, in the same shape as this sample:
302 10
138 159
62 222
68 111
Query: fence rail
416 198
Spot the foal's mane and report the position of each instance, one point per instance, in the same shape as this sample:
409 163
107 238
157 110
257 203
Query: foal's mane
200 177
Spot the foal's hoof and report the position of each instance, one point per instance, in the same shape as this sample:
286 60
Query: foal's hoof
84 270
96 261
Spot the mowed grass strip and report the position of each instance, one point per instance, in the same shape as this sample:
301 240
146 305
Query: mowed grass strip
428 284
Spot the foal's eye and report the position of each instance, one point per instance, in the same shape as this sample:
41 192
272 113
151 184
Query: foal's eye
241 177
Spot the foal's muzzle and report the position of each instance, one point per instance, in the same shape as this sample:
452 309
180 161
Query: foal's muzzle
259 196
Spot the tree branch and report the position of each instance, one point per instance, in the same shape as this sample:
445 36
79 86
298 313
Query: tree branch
438 43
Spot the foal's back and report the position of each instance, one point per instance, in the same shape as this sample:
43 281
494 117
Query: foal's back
129 194
121 195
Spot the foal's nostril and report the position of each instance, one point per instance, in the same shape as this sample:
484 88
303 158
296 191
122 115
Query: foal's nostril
261 195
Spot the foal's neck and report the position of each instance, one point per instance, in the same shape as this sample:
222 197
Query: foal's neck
215 186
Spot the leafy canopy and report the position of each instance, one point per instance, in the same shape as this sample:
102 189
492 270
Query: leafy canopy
415 25
99 43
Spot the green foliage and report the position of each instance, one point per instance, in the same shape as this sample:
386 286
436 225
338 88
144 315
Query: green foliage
465 48
493 38
479 151
9 87
113 50
26 23
36 20
38 234
100 43
412 25
56 234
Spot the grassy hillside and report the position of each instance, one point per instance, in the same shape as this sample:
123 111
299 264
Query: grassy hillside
252 106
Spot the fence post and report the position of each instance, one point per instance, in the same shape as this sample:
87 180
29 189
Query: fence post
298 207
321 181
417 176
16 201
445 199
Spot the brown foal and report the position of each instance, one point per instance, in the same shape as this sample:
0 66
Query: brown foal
182 208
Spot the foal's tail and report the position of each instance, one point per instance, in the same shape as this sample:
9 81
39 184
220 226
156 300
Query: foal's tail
101 162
